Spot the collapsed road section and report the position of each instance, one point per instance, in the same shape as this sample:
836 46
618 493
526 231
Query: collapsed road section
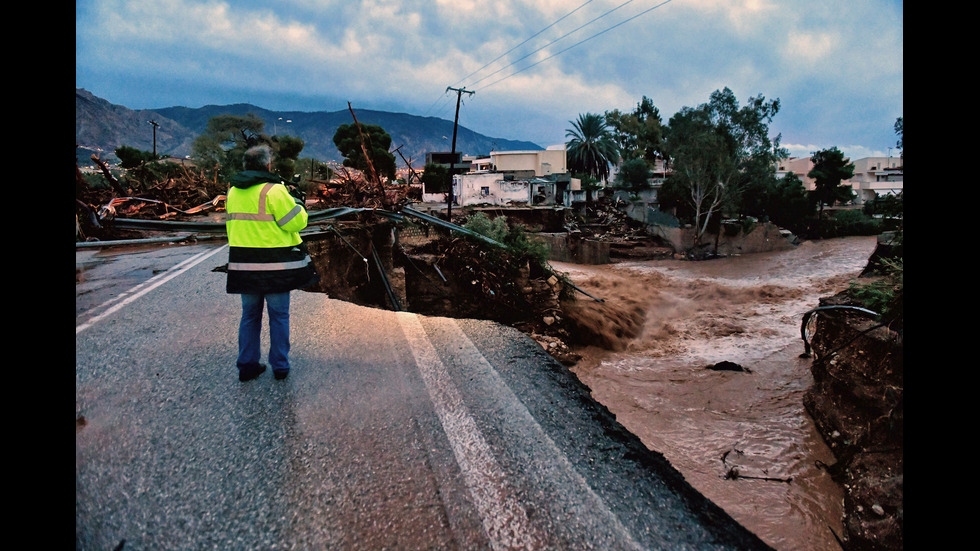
394 430
414 261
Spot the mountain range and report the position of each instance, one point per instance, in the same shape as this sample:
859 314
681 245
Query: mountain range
101 127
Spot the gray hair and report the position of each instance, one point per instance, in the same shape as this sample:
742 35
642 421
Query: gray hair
258 157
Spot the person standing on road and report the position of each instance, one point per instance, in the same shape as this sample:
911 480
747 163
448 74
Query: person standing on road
266 260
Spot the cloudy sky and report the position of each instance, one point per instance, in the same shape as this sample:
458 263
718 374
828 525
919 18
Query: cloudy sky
836 66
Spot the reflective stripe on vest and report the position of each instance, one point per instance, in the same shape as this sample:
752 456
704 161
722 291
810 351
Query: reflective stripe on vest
262 215
268 266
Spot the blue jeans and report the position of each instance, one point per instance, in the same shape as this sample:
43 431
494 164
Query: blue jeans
250 330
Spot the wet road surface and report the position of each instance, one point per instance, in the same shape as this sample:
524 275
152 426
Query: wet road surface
393 431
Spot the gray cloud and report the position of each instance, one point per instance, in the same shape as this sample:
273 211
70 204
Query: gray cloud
835 66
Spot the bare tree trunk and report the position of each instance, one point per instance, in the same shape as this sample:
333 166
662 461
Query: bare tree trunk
367 157
108 176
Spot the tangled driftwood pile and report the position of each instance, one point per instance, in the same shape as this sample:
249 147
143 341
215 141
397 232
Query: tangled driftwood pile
351 188
186 192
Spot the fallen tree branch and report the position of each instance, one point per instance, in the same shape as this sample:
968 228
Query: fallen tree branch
733 474
109 177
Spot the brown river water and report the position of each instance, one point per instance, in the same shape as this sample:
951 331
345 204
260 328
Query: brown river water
743 439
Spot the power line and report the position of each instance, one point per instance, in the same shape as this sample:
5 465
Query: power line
552 42
528 39
445 96
577 43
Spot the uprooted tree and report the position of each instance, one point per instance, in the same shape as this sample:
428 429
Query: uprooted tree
368 175
364 145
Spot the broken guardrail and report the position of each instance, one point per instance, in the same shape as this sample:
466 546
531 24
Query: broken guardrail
809 314
314 217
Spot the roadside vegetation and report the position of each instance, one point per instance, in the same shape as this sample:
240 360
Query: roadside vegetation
720 163
717 161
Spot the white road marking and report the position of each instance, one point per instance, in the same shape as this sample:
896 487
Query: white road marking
145 287
587 506
503 517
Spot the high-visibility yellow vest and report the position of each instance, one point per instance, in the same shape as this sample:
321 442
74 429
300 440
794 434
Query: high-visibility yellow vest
266 253
263 216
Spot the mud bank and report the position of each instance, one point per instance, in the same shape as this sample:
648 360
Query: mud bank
857 403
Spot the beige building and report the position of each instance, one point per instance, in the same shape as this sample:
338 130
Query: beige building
872 175
523 164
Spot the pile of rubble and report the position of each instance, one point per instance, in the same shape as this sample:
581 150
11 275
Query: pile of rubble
187 193
353 189
628 239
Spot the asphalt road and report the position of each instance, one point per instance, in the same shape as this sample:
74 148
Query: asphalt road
393 431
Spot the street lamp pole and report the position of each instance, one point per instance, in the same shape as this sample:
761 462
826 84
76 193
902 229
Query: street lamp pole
275 125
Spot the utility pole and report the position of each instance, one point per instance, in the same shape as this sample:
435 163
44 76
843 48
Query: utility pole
452 155
155 125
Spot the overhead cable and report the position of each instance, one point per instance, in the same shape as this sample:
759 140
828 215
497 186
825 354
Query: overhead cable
460 81
576 44
528 39
550 43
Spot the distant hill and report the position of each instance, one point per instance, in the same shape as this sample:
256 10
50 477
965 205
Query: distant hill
101 127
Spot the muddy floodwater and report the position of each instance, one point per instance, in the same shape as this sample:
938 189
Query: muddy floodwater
743 439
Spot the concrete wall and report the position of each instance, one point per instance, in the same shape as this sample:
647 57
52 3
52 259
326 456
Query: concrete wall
760 238
566 248
539 163
491 189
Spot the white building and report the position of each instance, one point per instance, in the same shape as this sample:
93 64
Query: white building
513 178
872 175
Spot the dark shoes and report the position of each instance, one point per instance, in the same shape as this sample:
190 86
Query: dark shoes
247 373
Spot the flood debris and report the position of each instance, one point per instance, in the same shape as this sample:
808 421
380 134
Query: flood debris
384 249
726 365
187 193
734 472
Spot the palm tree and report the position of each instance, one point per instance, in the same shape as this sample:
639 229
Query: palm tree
591 147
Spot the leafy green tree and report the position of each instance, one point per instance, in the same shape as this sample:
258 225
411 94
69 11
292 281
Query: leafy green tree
718 151
783 201
221 148
830 167
754 153
788 204
287 150
377 142
634 175
591 148
435 178
130 157
887 206
703 168
145 169
638 134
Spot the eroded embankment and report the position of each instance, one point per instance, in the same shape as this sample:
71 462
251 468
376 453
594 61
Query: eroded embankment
857 403
743 439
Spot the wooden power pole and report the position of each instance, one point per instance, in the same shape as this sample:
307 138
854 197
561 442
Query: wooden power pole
452 155
155 125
